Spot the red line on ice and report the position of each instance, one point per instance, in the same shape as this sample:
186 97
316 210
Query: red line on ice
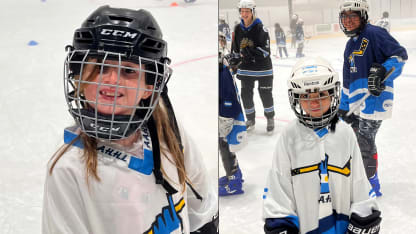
193 60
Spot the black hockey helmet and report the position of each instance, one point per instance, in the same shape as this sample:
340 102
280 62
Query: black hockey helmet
120 35
131 33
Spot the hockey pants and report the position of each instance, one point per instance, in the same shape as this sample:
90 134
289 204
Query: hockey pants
229 159
366 131
265 91
299 50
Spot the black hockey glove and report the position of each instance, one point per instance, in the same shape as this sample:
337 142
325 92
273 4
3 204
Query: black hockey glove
375 79
369 224
247 54
347 118
279 229
233 59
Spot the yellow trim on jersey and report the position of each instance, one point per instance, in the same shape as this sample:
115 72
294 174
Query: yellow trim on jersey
308 169
346 170
179 206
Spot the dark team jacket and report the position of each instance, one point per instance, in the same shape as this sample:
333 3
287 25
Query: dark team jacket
260 65
280 37
229 102
373 45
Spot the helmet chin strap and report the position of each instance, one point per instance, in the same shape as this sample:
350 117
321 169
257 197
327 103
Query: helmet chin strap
156 157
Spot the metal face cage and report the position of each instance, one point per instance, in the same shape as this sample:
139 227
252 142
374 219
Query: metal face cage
109 96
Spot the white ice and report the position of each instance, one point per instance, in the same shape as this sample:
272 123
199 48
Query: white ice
33 108
395 139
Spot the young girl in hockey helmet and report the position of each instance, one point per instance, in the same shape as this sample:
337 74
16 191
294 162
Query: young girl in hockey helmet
126 165
317 182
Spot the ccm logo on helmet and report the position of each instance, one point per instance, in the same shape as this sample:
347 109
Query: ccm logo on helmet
104 129
117 33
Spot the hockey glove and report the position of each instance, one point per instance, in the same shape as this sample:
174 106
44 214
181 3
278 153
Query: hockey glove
246 53
225 125
369 224
273 227
347 118
376 78
233 59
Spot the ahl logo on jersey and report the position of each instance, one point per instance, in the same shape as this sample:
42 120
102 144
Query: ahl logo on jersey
360 52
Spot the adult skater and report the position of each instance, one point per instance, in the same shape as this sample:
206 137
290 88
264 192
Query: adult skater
317 183
370 56
232 129
251 40
293 23
125 166
280 40
300 38
384 22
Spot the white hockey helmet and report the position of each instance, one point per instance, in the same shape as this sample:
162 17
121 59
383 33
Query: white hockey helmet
311 75
250 4
360 6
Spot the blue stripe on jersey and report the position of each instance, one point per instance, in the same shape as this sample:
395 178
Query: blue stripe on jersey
144 165
265 53
69 136
255 73
321 132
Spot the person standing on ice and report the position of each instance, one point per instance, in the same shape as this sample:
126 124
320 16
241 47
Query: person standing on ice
300 38
384 22
231 125
373 59
280 40
126 166
317 182
251 41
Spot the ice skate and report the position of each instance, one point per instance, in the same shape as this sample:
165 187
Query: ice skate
234 186
375 184
250 125
270 125
222 181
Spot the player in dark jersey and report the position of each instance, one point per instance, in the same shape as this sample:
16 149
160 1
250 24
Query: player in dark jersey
251 40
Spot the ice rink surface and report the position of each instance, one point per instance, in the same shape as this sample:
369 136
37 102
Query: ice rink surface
395 144
34 113
33 109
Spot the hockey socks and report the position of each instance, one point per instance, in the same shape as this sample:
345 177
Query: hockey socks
375 184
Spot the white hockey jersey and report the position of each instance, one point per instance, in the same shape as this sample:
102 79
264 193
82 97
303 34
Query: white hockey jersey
294 185
126 201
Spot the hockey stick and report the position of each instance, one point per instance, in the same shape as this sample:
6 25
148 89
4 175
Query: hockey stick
368 93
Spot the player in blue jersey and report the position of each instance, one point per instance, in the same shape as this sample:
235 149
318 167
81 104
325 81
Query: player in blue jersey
372 60
126 166
280 40
231 125
317 182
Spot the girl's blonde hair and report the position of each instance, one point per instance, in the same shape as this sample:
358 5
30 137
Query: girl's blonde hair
165 131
